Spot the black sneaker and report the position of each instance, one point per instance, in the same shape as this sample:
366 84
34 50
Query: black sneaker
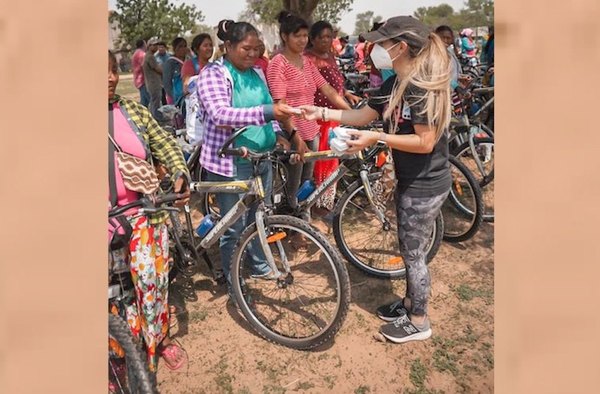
392 311
403 330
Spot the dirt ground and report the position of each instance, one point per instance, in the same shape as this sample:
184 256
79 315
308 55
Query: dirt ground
225 356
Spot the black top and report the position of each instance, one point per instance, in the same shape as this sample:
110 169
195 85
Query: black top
418 175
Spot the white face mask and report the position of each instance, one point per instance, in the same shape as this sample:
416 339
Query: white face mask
381 57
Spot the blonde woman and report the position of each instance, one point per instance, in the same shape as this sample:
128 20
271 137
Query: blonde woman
417 115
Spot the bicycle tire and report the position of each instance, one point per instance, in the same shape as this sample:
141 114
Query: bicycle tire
340 273
475 217
484 181
342 244
139 378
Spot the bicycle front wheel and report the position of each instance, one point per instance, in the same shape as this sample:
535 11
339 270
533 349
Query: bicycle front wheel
367 242
127 366
307 305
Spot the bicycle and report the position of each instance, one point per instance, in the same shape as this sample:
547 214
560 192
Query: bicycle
279 308
365 197
477 152
128 368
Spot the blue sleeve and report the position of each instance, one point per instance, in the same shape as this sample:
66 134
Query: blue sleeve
168 77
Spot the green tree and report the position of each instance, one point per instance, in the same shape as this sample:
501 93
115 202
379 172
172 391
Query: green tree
476 13
364 22
329 10
153 18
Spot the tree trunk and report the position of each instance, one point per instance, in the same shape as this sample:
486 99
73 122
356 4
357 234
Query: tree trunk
302 8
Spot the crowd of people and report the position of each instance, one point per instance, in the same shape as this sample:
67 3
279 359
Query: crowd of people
237 86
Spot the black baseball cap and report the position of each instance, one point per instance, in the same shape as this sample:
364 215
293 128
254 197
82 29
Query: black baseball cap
396 26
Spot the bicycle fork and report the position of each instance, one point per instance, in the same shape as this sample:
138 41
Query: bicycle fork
364 177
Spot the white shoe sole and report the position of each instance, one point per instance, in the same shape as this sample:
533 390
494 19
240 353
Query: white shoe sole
388 319
420 336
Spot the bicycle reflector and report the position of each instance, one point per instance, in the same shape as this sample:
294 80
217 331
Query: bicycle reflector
381 159
276 237
458 187
117 350
394 260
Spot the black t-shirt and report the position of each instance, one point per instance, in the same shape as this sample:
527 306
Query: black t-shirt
418 175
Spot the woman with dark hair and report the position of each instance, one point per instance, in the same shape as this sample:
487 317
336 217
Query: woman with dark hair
418 116
321 38
234 94
294 80
172 80
202 49
133 130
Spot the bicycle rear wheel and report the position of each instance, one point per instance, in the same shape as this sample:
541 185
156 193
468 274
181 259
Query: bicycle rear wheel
463 209
484 151
127 366
366 242
306 306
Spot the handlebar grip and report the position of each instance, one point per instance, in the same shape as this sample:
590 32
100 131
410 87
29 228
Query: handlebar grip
232 152
167 198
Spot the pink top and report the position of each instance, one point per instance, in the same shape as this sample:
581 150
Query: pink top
297 87
130 143
137 61
360 57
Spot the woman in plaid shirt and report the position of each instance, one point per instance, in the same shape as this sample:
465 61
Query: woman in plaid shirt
234 94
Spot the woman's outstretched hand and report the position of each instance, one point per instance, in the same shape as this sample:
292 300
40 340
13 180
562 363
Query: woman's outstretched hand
282 111
311 112
362 139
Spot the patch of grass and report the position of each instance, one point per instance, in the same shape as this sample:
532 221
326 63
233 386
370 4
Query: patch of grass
470 336
467 293
305 386
269 371
330 380
273 389
127 89
418 373
244 390
361 322
362 389
339 363
323 356
261 366
444 356
198 315
223 381
445 361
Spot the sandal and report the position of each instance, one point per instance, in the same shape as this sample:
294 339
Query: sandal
174 355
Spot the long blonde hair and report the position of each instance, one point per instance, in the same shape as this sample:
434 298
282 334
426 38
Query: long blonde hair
430 70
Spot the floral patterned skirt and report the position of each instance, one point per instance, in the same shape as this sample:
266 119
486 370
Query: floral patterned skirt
148 316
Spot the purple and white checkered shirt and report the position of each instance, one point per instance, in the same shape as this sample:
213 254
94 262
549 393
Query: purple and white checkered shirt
219 117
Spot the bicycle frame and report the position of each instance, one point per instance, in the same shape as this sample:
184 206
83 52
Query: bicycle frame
254 192
338 174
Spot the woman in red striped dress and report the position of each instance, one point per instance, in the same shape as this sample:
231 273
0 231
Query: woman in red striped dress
294 79
319 53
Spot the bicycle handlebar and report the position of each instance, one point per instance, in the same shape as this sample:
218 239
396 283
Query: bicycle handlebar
225 150
147 203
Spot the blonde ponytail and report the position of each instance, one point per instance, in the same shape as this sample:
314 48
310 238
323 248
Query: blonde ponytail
431 71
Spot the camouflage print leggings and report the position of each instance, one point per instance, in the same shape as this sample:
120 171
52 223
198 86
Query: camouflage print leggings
416 216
